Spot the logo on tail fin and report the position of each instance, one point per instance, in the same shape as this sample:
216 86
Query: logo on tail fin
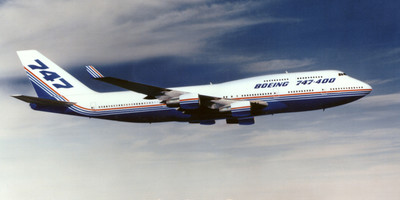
58 82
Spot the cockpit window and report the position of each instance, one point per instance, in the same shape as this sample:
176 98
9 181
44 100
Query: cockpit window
342 74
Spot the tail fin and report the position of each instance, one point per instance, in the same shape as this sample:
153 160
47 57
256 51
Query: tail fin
49 80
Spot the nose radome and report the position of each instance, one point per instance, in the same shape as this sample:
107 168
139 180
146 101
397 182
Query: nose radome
367 86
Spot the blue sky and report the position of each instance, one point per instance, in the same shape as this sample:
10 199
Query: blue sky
347 152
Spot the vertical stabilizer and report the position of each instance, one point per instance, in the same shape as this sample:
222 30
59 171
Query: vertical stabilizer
49 80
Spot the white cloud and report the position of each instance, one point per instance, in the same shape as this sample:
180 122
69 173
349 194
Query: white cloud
375 82
278 64
51 156
79 158
76 32
223 162
387 56
271 138
380 100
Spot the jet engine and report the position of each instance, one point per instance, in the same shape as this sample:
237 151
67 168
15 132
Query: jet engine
187 101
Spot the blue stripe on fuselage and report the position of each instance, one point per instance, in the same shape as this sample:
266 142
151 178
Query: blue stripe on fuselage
160 112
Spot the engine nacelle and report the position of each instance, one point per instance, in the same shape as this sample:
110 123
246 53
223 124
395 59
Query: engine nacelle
241 109
203 122
173 103
241 121
189 101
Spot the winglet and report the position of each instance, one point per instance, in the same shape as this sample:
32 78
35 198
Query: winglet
93 72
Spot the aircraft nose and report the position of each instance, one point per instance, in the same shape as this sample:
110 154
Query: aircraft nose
367 87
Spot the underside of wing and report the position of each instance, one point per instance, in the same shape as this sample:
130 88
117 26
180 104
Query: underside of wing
42 101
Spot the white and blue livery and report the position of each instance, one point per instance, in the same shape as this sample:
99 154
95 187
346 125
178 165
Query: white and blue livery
238 102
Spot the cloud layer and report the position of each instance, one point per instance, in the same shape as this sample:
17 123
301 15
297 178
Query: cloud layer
76 32
347 152
278 64
70 157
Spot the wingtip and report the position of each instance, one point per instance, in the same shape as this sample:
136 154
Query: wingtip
17 96
94 72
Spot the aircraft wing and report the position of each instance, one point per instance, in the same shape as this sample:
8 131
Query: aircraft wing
184 100
152 92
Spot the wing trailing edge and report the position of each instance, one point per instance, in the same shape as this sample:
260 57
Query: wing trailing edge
152 92
187 102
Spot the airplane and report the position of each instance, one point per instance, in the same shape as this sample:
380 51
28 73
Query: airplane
238 101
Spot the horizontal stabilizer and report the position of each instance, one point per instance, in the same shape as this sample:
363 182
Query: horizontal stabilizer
41 101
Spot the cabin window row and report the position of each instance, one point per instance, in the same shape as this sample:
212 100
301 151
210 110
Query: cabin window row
275 80
127 104
251 95
259 94
300 91
347 88
309 77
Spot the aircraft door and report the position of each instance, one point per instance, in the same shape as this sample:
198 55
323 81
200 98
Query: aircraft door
93 105
323 92
323 102
275 92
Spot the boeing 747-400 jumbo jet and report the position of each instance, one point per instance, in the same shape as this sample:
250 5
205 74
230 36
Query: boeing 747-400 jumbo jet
236 101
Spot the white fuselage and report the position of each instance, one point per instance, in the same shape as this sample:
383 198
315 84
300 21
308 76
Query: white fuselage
287 92
236 101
